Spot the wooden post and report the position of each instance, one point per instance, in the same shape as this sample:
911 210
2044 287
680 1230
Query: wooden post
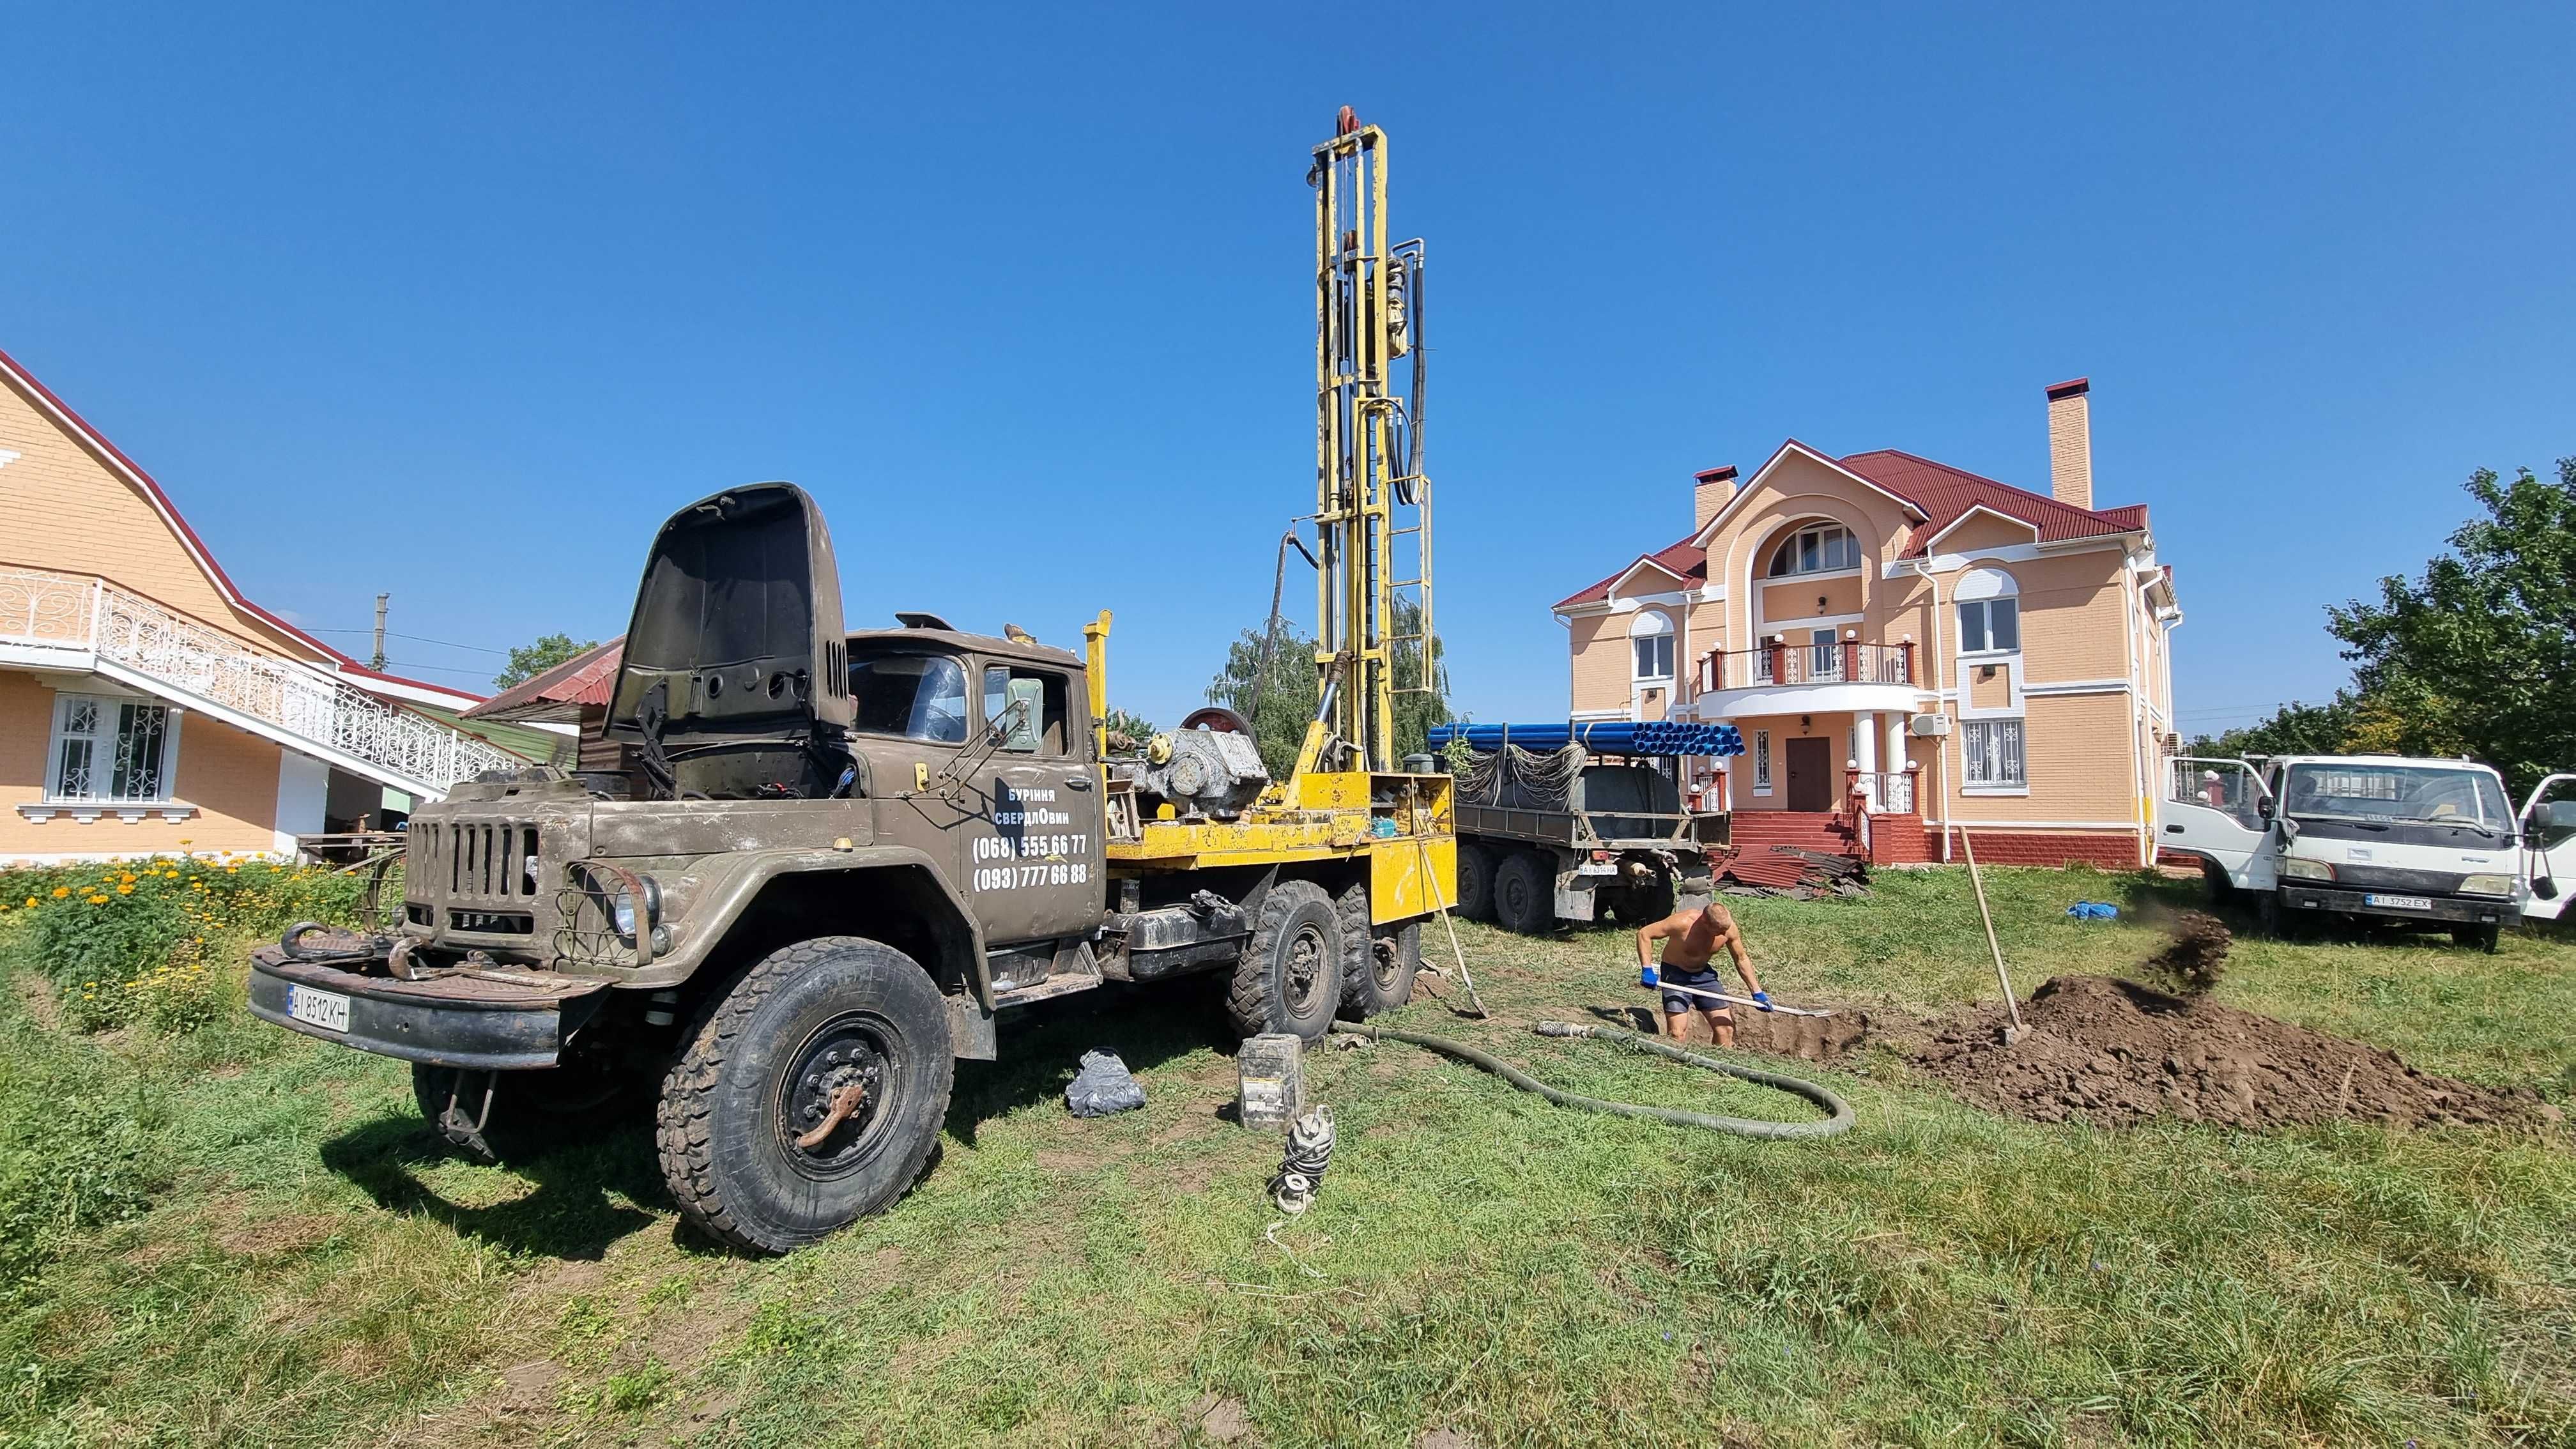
2012 1003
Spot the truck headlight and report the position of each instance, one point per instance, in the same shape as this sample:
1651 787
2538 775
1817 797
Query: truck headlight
2296 868
2486 885
618 903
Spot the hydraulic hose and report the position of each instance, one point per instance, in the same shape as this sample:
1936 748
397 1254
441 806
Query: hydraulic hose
1835 1125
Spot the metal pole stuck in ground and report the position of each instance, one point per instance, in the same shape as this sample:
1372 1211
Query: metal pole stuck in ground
2012 1003
1441 906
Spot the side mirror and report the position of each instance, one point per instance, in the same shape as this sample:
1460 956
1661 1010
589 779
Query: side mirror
2263 807
1020 717
2555 816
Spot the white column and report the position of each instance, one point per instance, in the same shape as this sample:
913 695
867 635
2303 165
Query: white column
1865 737
1896 751
303 788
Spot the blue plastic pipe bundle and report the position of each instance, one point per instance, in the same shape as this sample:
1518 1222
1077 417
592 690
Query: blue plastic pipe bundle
1609 737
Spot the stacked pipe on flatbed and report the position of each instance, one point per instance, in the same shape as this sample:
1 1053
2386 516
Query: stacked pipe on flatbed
1609 737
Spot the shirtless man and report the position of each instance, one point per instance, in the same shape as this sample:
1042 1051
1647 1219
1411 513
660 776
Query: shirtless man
1690 939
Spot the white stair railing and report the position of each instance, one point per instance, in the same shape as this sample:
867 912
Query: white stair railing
43 609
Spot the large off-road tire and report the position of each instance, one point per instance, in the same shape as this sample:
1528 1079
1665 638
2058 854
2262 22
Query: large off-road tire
528 1112
1290 977
1475 882
765 1064
1378 962
1525 893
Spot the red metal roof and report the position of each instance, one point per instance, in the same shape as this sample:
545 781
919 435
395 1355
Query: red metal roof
1940 492
560 693
1684 559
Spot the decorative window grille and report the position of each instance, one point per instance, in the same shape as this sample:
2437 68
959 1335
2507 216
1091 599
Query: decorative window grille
1761 759
111 750
1994 751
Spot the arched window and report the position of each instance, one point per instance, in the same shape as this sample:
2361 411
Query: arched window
1651 635
1989 612
1816 548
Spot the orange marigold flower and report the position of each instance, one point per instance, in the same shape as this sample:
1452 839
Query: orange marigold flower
61 891
125 890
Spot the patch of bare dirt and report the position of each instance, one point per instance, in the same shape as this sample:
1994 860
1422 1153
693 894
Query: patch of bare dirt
1808 1038
2117 1054
36 998
1223 1421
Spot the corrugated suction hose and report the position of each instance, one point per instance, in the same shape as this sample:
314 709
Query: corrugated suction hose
1833 1126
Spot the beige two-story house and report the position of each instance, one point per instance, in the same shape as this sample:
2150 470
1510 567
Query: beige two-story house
147 705
1908 649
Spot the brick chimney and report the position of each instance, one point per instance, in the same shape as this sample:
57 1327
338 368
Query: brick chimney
1711 490
2070 443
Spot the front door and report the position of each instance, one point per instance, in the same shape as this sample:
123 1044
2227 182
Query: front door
1035 849
2553 853
2213 809
1811 774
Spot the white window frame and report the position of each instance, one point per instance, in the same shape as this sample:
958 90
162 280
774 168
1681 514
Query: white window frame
1761 762
105 721
1797 554
1981 590
1652 626
1972 753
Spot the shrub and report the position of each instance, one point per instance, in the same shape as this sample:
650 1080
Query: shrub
126 940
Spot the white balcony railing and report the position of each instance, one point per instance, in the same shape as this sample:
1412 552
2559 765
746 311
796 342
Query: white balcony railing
80 614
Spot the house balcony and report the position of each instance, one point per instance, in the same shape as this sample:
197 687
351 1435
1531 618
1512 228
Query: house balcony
1820 678
81 624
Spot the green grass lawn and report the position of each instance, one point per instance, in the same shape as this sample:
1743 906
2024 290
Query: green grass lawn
243 1237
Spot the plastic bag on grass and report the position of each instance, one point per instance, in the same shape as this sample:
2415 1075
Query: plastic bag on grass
1103 1087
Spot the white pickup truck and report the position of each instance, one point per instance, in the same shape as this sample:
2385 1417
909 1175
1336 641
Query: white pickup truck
2429 843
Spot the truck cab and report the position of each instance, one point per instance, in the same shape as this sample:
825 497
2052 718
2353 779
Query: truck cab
2425 844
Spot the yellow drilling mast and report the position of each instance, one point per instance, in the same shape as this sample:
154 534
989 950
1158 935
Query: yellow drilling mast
1372 500
1347 797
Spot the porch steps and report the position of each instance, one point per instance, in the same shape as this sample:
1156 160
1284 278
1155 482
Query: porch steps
1756 831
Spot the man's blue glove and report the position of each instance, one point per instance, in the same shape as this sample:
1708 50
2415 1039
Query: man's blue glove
1762 999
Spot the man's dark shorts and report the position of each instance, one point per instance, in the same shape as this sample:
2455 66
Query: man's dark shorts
1704 979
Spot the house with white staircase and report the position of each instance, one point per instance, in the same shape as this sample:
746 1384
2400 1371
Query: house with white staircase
146 705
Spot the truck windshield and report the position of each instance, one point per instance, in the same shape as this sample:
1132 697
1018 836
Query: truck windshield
2354 790
913 696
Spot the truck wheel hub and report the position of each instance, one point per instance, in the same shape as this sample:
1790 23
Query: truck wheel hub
844 1053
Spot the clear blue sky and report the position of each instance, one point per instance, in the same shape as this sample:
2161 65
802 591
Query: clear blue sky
458 302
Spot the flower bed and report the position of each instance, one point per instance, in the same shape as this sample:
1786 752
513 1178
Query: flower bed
130 940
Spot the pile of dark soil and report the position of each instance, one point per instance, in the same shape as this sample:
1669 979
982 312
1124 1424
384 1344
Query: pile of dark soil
2115 1053
1809 1038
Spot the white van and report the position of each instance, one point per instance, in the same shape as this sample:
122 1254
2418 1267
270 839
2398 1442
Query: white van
2431 843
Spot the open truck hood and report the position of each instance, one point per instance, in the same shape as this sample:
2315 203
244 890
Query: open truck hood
737 627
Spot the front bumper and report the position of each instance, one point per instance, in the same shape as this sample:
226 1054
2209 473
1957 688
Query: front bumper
2457 910
476 1022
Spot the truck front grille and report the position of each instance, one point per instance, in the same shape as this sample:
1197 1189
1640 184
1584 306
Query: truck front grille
476 878
477 864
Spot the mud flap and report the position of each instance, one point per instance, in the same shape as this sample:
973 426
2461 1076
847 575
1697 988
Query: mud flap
970 1029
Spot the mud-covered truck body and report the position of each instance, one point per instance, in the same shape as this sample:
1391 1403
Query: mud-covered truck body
840 858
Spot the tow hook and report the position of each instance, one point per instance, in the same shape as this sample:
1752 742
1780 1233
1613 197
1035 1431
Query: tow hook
844 1102
455 1126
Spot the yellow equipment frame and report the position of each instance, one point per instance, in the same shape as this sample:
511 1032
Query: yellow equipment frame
1345 798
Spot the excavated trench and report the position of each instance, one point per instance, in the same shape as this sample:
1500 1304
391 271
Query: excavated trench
2117 1053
